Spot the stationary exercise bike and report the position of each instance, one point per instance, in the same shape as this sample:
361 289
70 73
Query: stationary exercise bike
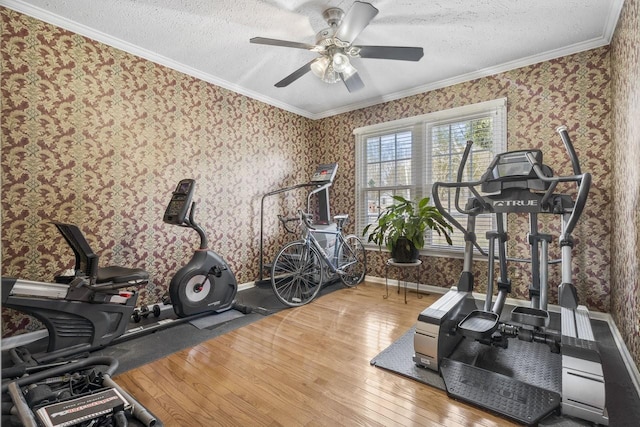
205 284
91 308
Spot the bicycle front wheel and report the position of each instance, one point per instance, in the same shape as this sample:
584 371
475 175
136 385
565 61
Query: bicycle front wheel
353 261
296 274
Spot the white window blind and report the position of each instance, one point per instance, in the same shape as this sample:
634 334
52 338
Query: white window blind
407 156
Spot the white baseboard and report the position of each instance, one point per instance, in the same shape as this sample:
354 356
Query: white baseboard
247 285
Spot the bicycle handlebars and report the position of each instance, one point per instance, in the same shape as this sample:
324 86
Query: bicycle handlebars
302 217
285 221
305 218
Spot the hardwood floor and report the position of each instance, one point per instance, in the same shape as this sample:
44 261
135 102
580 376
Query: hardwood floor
304 366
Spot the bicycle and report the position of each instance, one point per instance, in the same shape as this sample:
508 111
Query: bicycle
297 273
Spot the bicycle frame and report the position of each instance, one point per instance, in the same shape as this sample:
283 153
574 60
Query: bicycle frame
330 262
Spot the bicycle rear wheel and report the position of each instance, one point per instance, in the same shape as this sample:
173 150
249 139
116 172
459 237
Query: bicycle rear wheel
296 274
353 261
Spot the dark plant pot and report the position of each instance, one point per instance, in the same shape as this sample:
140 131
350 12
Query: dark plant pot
404 251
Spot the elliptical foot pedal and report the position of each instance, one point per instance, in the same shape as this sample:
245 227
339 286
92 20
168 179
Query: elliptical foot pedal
530 316
511 398
479 324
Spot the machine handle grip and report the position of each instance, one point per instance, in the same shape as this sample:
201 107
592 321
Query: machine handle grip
458 186
463 163
562 130
582 180
581 201
445 213
435 190
556 179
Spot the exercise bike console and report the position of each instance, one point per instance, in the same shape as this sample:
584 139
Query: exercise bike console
178 207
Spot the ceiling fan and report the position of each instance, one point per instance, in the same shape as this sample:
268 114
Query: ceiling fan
335 46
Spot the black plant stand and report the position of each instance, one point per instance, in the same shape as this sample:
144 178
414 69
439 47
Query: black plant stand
403 266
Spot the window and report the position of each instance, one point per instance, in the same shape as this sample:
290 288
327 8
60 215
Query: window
405 157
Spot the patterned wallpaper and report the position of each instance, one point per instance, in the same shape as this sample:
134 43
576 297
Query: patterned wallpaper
98 137
625 212
573 91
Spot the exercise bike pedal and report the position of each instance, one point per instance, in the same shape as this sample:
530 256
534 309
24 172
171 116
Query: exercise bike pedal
479 324
530 316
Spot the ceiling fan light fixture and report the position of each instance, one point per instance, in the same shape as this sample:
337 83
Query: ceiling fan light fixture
330 76
336 48
323 69
340 62
320 66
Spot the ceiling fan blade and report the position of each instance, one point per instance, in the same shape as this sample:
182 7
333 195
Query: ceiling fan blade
353 83
285 43
391 52
296 74
355 21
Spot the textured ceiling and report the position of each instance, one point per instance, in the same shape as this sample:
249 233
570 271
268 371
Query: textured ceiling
462 40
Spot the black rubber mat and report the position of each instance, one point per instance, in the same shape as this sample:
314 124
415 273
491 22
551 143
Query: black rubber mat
147 348
622 400
511 398
531 363
262 298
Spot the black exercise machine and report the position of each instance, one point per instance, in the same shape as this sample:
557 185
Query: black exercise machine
515 182
78 393
91 309
205 284
81 312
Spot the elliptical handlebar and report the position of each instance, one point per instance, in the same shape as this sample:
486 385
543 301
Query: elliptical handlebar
463 162
562 130
458 185
583 185
582 180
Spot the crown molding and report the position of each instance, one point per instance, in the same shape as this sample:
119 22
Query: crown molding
485 72
101 37
83 30
603 40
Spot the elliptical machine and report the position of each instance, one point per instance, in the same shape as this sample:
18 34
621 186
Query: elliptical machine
515 182
205 283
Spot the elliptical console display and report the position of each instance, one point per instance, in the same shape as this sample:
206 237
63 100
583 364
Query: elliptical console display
205 284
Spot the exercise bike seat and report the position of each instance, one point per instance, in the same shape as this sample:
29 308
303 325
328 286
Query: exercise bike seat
115 274
86 262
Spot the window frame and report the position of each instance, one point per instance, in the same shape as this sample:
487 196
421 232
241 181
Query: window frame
421 165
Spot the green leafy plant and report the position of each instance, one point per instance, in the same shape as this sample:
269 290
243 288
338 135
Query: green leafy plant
409 220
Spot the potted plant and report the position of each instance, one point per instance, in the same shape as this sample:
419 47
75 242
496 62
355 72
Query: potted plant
401 227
